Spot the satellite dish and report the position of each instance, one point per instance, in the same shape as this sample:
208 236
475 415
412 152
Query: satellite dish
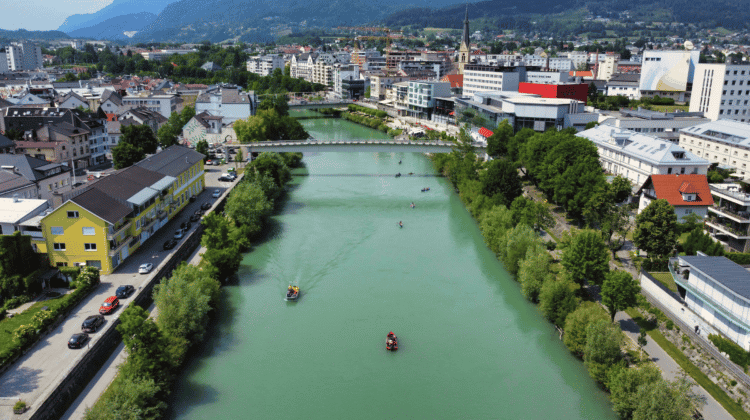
688 45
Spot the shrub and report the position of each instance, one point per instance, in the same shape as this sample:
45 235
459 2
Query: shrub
15 302
670 324
736 353
550 245
24 334
741 258
20 405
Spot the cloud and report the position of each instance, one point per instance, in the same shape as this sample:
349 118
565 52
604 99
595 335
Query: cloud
43 15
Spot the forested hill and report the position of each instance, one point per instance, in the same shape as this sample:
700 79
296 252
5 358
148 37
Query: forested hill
22 34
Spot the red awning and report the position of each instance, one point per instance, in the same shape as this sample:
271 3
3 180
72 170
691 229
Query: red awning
485 132
452 113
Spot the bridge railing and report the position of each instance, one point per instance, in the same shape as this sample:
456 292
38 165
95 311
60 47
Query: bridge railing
314 142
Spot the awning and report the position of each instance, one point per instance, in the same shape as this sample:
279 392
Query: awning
485 132
452 113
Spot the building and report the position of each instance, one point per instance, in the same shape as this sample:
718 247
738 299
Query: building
164 104
729 218
724 142
464 52
716 289
422 94
668 74
211 66
23 215
51 180
209 128
604 69
13 184
577 91
624 84
546 77
23 56
456 81
558 64
265 65
722 91
636 156
484 78
230 103
159 55
106 222
665 125
688 194
301 66
144 116
347 83
7 145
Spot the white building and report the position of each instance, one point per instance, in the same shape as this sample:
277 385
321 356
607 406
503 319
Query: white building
159 55
551 63
729 218
265 65
580 59
3 62
668 74
301 66
625 84
687 194
665 125
481 78
23 215
422 94
164 104
722 91
547 77
717 290
342 73
230 104
725 142
636 156
23 56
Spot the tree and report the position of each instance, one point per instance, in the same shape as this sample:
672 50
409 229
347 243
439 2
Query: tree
139 136
238 156
533 271
248 206
146 344
666 400
130 398
557 299
494 224
576 324
699 241
656 229
272 164
275 102
367 92
624 383
497 143
202 148
602 212
517 241
642 341
586 258
125 154
619 291
603 342
532 213
501 179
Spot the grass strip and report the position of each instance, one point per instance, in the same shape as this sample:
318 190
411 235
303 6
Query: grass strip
734 409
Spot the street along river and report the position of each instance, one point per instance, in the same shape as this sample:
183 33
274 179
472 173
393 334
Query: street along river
470 346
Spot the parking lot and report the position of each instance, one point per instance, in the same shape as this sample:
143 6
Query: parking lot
47 362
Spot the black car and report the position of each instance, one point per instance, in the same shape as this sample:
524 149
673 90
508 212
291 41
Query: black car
92 323
77 340
196 216
170 244
225 179
124 291
193 198
207 205
186 225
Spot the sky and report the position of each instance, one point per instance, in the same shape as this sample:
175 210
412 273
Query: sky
43 15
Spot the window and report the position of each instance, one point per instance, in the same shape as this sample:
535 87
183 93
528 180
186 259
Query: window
73 215
58 246
56 230
89 247
62 264
89 231
669 170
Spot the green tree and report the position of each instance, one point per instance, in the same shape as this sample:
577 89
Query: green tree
531 213
517 242
576 324
202 148
250 130
603 342
367 92
557 299
602 212
248 206
146 345
276 102
273 165
656 229
533 271
624 383
666 400
129 398
586 258
619 291
501 181
125 154
497 143
699 241
139 136
494 224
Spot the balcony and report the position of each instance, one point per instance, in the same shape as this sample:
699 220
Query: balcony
731 213
116 246
114 233
728 229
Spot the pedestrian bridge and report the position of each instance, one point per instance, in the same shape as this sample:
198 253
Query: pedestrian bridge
323 104
354 145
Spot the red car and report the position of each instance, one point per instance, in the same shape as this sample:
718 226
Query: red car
109 305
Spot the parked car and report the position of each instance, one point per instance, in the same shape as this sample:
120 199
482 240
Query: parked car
145 268
179 233
170 244
124 291
225 179
186 225
196 216
78 340
209 162
216 194
230 175
193 198
92 323
207 205
109 305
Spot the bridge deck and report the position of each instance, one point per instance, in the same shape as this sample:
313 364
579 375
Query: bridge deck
354 145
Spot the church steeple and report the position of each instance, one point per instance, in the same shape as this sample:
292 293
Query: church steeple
464 54
465 38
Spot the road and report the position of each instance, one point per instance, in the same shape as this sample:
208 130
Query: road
38 372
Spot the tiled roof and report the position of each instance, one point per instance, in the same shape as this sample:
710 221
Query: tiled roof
127 182
112 96
10 182
457 80
671 188
172 161
29 166
5 142
102 205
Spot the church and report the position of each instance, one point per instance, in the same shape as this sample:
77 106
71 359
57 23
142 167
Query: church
464 53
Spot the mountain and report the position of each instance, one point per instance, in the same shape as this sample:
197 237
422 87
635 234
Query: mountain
259 20
21 34
115 27
113 10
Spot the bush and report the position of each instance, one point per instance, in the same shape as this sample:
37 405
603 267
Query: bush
736 353
669 325
741 258
15 302
550 245
20 405
656 264
24 334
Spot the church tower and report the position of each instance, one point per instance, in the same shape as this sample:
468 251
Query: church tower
464 54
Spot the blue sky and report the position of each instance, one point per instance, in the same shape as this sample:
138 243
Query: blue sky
43 14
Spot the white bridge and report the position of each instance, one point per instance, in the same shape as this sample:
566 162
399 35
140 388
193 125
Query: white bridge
353 145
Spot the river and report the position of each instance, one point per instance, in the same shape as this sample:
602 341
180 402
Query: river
470 346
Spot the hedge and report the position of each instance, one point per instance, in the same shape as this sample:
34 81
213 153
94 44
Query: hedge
368 111
741 258
736 353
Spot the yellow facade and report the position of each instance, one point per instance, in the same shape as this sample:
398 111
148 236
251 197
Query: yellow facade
75 236
189 183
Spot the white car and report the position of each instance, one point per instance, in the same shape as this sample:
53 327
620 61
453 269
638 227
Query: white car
179 233
145 268
216 194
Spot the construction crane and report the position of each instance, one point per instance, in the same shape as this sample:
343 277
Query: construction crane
388 37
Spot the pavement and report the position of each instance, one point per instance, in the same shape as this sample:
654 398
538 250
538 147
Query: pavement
36 373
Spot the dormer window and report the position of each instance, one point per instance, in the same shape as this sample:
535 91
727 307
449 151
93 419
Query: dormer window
688 197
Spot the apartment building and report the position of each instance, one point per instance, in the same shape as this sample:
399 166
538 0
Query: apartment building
725 142
636 156
624 84
722 91
301 66
164 104
346 81
228 102
728 218
23 56
665 125
560 64
50 180
111 218
422 94
484 78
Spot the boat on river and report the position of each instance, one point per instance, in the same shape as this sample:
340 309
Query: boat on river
292 293
391 342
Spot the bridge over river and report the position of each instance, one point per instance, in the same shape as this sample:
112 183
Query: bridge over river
353 145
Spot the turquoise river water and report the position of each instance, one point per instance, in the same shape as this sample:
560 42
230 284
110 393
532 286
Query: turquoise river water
470 346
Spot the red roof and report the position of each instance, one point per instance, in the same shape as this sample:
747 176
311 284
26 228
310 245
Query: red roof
672 188
582 73
457 80
485 132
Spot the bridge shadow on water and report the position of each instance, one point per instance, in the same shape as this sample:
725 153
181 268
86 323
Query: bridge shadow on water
374 175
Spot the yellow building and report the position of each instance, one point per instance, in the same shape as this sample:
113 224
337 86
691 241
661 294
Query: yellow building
112 217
